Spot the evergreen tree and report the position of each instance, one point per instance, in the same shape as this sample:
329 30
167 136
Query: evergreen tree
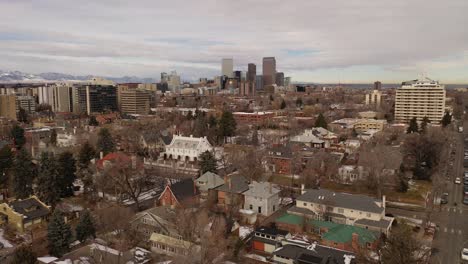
446 120
424 123
67 174
283 104
413 126
6 162
207 162
227 125
200 126
212 122
59 235
190 115
23 116
92 121
47 179
85 227
87 153
53 137
24 174
23 255
255 137
17 133
105 142
299 102
321 122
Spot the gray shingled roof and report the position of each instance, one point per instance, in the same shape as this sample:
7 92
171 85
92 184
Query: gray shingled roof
262 189
212 180
343 200
319 252
239 184
30 208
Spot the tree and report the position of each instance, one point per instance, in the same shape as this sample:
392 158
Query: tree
299 102
321 122
87 153
53 137
227 125
201 126
23 255
23 116
424 123
59 235
105 142
446 120
24 174
255 137
413 126
47 179
207 162
17 133
283 104
67 173
85 227
402 247
6 162
92 121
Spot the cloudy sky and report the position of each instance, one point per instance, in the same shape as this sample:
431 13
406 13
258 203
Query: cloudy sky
312 40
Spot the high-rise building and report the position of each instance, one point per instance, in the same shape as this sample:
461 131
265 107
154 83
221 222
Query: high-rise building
173 82
26 102
135 102
95 98
377 85
280 78
164 77
287 81
259 82
8 106
269 71
247 88
374 98
420 98
57 96
227 67
251 72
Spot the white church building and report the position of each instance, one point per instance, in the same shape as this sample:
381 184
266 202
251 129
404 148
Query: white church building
186 148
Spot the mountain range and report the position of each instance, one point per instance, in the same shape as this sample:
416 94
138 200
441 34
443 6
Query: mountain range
18 76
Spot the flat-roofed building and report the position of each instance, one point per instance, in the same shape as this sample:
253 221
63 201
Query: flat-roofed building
8 106
135 102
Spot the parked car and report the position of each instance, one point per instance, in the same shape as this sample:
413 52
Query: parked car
464 254
457 180
444 198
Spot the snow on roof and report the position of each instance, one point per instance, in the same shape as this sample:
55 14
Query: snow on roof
47 259
105 249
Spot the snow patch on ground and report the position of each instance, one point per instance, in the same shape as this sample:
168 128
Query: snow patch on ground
3 240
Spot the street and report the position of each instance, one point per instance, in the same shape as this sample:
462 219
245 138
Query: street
452 217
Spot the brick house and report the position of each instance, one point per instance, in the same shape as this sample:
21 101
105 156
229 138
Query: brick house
230 194
280 160
266 240
182 193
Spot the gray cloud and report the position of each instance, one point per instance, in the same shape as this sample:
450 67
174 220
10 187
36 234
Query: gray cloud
145 37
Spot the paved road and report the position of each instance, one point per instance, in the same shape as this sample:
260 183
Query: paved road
452 219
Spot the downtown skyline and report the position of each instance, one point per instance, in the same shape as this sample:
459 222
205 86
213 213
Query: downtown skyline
324 42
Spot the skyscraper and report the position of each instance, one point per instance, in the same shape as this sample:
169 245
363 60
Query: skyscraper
377 85
8 106
269 71
227 67
251 72
259 82
280 78
287 81
136 102
174 82
95 98
420 98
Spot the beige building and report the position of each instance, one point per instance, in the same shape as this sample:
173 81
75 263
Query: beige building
420 98
24 214
360 124
8 106
135 102
374 98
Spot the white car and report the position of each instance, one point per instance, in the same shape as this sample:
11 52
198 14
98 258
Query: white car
464 254
457 180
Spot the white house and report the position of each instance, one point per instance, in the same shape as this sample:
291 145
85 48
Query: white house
65 139
350 173
186 148
262 198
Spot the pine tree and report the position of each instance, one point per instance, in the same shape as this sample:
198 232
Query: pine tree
424 123
321 122
23 116
446 120
23 255
48 179
92 121
87 153
105 142
67 174
283 104
6 162
212 122
413 126
207 162
299 102
59 235
24 174
53 137
227 125
190 115
201 126
255 137
17 133
85 227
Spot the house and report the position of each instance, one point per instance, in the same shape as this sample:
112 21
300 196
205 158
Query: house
207 182
120 159
350 173
186 148
24 214
316 137
66 139
262 197
182 193
266 239
230 194
311 254
171 246
159 220
343 208
280 160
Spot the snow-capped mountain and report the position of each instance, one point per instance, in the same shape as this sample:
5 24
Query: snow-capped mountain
17 76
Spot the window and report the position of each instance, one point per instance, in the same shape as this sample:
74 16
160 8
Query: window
274 208
251 207
305 204
368 214
341 210
259 209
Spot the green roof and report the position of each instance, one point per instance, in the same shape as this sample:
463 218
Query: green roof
336 232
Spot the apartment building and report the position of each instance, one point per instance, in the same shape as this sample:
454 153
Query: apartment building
135 102
8 106
420 98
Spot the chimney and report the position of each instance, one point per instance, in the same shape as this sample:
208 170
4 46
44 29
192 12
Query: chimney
302 188
230 183
384 199
355 241
101 155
